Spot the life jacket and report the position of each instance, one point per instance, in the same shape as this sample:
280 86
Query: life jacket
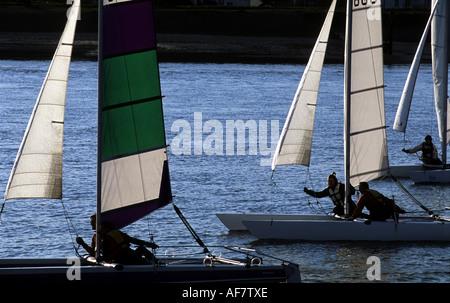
427 150
376 195
118 238
383 201
335 195
114 246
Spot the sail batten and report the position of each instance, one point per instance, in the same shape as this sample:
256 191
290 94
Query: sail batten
37 171
294 145
134 170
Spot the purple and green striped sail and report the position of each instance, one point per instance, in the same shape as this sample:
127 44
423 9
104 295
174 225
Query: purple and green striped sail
134 170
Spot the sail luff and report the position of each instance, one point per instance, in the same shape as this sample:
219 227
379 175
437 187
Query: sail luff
366 144
37 170
133 157
294 145
440 71
401 117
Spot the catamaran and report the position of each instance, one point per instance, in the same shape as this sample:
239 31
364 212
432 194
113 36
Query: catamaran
365 144
427 173
133 174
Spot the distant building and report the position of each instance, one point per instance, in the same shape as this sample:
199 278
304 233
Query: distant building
311 3
308 3
242 2
407 3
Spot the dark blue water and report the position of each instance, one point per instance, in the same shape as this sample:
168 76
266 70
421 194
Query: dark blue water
212 172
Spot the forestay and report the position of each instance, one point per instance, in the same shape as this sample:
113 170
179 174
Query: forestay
134 170
37 170
364 106
294 146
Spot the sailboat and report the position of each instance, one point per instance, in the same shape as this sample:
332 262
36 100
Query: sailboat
133 174
438 22
365 149
301 116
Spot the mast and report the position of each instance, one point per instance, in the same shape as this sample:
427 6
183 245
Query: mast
445 88
444 117
99 127
347 95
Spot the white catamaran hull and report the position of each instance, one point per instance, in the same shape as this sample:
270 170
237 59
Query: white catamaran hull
403 171
431 176
422 173
332 229
234 221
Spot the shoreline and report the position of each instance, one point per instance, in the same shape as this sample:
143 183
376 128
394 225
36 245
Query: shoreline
218 35
198 48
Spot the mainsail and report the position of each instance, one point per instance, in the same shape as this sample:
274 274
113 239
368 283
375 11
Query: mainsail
440 70
37 170
133 169
401 118
294 145
365 124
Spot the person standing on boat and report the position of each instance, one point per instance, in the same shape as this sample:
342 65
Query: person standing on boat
379 206
336 191
429 151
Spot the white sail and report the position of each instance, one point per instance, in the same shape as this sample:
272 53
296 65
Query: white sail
365 129
294 145
440 67
401 118
37 171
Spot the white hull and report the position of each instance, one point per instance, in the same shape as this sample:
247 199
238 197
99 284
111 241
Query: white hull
431 176
234 221
331 229
403 171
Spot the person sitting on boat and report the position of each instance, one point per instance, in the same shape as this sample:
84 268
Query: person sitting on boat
115 245
90 249
429 151
336 191
379 206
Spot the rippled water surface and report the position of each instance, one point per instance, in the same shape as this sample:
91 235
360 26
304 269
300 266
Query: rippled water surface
211 174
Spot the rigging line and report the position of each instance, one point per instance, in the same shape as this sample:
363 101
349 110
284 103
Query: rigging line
3 206
307 196
191 230
70 226
410 195
150 234
319 205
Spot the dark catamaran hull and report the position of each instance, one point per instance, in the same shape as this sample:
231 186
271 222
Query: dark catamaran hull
177 271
